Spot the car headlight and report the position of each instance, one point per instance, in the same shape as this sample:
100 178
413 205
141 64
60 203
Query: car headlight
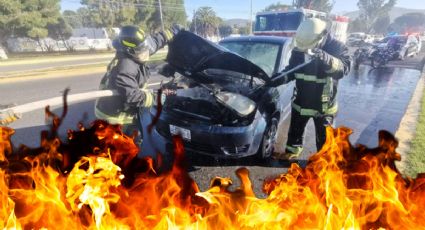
240 104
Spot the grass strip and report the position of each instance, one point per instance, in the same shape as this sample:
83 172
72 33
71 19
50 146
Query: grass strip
415 162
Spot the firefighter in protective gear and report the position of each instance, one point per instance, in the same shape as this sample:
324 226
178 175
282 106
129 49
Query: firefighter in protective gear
315 84
128 74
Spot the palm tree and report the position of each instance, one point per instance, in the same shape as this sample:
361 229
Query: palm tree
205 22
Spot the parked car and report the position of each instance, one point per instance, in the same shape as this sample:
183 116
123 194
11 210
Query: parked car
406 45
357 39
222 105
377 38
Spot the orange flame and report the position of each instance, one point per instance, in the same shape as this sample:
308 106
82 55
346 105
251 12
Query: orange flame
96 181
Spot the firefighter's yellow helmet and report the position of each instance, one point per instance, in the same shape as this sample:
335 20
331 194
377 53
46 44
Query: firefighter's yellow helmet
309 34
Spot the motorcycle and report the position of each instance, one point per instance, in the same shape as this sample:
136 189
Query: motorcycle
381 55
361 55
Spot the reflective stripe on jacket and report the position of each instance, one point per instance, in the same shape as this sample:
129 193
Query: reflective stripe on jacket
121 118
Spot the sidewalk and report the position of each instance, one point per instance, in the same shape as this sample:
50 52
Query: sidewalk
50 59
64 66
408 125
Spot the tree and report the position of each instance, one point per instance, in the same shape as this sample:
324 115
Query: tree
173 12
381 24
319 5
84 15
225 30
60 31
205 22
408 22
144 13
27 19
357 25
110 13
277 6
372 10
72 18
244 30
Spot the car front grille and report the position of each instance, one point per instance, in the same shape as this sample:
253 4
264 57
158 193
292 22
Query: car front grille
200 148
235 150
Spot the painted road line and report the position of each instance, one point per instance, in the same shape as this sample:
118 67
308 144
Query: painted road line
288 111
57 68
38 60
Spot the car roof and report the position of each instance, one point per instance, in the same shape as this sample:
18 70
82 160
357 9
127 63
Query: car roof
259 38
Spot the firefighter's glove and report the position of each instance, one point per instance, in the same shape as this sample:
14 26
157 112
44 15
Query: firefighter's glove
331 63
8 116
170 33
318 54
149 98
165 93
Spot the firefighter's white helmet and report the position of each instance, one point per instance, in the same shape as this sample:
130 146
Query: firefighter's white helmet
309 34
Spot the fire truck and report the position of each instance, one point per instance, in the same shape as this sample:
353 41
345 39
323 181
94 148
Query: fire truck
285 22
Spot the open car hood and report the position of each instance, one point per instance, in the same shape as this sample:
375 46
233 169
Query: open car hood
189 54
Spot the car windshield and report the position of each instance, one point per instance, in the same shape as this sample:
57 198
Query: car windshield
263 54
286 21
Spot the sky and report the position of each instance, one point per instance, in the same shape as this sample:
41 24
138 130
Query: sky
241 8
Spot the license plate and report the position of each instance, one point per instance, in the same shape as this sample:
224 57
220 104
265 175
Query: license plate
185 133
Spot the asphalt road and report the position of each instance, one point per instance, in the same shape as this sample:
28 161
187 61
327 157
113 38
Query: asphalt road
370 100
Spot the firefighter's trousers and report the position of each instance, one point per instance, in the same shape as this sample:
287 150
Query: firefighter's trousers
297 127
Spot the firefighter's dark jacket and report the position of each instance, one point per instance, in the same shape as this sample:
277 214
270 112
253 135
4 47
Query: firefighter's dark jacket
127 76
316 84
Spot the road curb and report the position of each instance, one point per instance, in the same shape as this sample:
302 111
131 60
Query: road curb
42 59
407 128
54 73
64 71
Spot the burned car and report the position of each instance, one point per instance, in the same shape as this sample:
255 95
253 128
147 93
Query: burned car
222 106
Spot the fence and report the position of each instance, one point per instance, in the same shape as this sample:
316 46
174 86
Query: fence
21 45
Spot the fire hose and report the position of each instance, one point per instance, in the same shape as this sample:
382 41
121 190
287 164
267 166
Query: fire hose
283 74
11 114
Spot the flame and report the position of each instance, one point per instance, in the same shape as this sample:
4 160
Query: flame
95 180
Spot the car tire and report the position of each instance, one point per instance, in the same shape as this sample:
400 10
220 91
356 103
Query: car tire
269 137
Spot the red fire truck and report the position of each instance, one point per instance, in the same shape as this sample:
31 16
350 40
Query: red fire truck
285 22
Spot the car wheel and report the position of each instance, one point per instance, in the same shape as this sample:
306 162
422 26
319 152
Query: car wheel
269 138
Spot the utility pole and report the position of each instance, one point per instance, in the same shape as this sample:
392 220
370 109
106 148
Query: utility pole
160 15
250 20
